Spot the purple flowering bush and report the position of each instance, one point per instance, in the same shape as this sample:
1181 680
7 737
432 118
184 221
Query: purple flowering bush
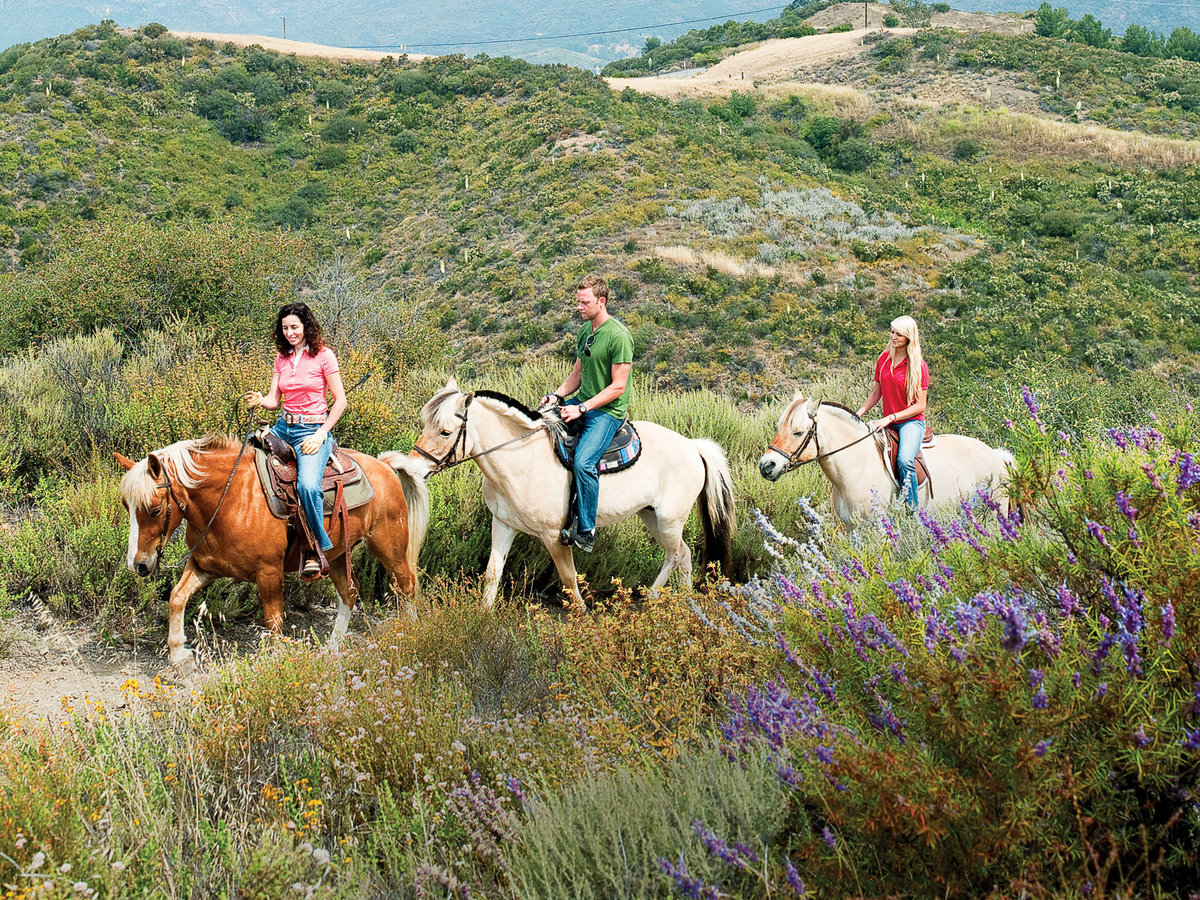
1015 709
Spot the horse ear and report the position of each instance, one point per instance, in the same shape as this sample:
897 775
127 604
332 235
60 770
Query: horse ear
452 384
125 462
154 466
813 406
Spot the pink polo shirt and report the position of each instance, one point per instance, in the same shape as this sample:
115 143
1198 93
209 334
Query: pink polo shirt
302 381
891 383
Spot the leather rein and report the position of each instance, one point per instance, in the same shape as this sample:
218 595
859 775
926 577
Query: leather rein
793 458
447 460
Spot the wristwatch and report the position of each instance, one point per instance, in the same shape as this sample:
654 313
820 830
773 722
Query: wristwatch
582 408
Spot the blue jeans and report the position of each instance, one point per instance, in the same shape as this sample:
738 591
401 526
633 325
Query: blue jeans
911 433
598 430
308 480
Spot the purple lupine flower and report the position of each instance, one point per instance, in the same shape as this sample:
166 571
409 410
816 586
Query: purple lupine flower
829 838
1031 404
517 790
794 881
898 675
1134 540
1014 628
825 755
934 528
1191 740
1088 474
1041 747
738 856
1139 738
1097 531
906 594
1168 621
1050 641
1155 480
1127 509
1189 471
1117 436
685 883
1010 525
1067 601
1101 690
1075 678
890 530
1036 677
1040 700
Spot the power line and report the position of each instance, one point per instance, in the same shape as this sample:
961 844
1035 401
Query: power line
555 37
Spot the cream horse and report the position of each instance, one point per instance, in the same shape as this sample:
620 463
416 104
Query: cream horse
526 488
841 443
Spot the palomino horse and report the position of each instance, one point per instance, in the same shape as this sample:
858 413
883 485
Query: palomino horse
839 441
526 488
187 482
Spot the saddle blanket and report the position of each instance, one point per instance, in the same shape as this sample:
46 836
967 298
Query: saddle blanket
623 450
356 487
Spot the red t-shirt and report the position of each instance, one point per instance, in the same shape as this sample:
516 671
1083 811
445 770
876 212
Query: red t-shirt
891 383
302 381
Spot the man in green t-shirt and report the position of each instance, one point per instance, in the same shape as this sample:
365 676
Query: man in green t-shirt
603 358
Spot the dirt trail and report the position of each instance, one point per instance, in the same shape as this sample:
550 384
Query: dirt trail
300 48
770 61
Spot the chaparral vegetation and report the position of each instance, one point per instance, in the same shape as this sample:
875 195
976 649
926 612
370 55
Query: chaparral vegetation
987 703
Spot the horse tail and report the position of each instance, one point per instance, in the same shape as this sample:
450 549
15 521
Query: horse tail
717 510
416 496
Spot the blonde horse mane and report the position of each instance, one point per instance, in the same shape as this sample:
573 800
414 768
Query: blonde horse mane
138 488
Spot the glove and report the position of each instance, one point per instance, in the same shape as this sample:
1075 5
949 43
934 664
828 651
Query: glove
312 443
252 399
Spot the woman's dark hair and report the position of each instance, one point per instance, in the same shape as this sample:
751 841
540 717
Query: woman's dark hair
312 329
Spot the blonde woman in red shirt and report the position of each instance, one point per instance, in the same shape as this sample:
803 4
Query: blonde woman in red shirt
305 371
902 383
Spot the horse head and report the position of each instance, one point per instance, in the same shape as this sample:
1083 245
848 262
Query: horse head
149 492
795 439
443 429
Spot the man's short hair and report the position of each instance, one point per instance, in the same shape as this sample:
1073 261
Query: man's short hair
598 285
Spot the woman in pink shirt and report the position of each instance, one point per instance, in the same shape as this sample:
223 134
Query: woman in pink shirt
305 371
902 383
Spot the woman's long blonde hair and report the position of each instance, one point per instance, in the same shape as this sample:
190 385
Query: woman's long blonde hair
907 326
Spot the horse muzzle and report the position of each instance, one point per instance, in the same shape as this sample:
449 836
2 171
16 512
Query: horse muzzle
772 466
144 566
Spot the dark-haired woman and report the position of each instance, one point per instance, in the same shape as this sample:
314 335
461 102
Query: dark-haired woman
305 371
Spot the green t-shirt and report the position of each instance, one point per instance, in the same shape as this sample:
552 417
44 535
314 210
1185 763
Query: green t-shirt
611 345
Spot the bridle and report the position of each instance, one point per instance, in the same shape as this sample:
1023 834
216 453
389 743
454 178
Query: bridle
447 460
167 532
793 459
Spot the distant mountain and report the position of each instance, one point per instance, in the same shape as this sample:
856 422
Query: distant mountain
579 33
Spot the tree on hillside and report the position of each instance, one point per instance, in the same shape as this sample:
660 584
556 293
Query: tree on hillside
1142 41
1088 30
1050 22
1183 44
913 13
652 44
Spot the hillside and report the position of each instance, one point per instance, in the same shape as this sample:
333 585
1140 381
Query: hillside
967 177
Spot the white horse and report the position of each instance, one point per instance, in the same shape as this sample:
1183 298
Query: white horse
526 488
840 442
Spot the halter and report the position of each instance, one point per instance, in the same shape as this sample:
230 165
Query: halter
793 458
166 533
447 460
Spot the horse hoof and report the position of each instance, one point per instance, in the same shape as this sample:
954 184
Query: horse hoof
184 665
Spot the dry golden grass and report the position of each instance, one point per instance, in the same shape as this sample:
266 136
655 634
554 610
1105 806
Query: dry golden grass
831 99
1020 134
727 264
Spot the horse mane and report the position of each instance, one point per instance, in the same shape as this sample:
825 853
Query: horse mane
847 410
138 489
511 403
800 398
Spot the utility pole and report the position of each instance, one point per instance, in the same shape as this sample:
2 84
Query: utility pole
865 13
285 28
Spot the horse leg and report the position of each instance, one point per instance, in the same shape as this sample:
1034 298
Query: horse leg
502 540
564 561
393 555
270 591
190 581
347 589
676 553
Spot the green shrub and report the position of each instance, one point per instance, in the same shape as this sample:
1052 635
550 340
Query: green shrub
966 150
890 20
331 156
854 155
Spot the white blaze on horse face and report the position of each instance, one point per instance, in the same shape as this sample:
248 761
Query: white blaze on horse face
131 553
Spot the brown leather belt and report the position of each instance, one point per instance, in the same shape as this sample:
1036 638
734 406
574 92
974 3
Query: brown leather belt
299 419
